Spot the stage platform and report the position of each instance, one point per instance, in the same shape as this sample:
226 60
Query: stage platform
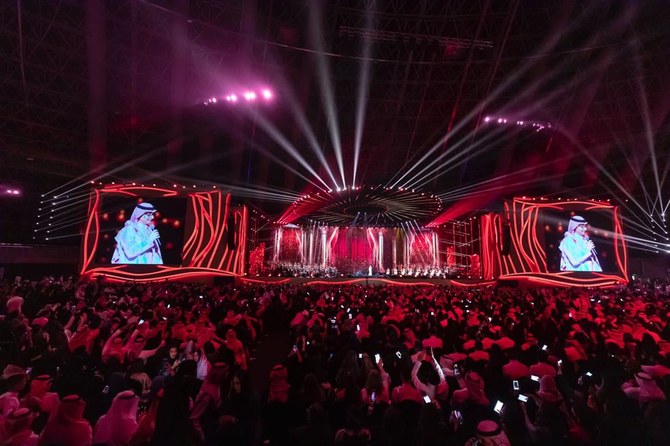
556 280
369 280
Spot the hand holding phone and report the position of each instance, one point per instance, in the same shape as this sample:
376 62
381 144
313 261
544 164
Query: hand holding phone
523 398
515 384
498 407
426 399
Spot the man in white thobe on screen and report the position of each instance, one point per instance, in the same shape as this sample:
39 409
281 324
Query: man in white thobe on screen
577 250
139 241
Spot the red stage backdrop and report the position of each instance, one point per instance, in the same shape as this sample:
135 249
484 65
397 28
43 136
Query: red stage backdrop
523 244
211 239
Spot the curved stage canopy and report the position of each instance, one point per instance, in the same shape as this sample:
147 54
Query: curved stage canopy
365 206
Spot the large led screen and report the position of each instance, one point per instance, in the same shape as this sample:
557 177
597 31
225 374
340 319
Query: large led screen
152 233
141 231
579 243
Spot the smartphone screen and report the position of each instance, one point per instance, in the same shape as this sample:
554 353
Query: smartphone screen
373 396
535 378
398 354
377 357
498 407
515 384
360 356
523 398
426 399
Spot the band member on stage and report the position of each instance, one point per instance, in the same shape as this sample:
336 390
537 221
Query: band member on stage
578 253
139 241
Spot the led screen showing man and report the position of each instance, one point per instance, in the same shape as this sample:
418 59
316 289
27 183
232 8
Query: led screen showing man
138 242
578 252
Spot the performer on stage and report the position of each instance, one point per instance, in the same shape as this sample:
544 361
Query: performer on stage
138 242
578 252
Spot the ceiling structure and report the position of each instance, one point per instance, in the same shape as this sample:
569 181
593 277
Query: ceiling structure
365 93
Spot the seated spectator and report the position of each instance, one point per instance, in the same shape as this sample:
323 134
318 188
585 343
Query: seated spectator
235 345
15 380
317 432
67 425
406 391
353 433
147 423
17 431
489 433
542 367
427 375
119 424
203 364
645 389
432 430
515 369
473 391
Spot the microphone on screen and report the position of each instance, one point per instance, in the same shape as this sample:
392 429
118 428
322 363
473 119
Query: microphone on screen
153 228
588 239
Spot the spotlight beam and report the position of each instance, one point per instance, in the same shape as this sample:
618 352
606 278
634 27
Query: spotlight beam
537 105
480 184
509 81
299 115
326 87
84 179
599 165
363 91
284 143
644 106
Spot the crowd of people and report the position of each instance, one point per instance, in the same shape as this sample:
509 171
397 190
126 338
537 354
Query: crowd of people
169 364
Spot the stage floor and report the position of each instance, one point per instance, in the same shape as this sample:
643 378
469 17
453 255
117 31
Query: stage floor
371 280
538 280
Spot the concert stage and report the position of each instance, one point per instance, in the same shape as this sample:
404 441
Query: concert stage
203 236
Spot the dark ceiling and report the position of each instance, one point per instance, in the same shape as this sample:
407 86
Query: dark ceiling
116 88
